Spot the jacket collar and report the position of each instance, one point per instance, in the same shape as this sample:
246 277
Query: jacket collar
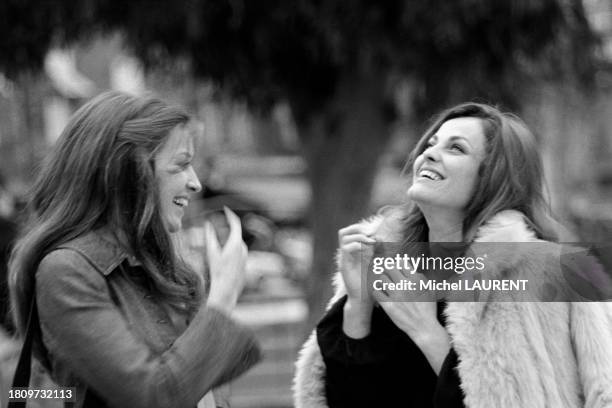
102 249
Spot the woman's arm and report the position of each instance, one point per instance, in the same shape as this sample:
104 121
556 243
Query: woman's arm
350 363
83 329
370 371
357 318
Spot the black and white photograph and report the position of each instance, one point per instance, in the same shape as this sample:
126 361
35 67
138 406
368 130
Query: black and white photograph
306 203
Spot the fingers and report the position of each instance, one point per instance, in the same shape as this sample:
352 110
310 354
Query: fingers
409 292
234 225
354 239
235 235
356 247
348 239
359 229
212 243
382 295
396 275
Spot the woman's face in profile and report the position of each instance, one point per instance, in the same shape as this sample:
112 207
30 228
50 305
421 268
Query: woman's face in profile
445 174
176 177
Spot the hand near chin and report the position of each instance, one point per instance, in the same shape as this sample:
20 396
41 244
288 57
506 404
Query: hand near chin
356 249
226 264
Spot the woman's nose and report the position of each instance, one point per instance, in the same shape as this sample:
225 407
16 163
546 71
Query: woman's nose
431 154
193 184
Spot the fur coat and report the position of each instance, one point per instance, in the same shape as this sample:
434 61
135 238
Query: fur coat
511 354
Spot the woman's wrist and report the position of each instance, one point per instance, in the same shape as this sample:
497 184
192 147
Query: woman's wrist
357 318
224 303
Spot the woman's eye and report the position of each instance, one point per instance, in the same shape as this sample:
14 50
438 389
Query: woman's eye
182 166
457 147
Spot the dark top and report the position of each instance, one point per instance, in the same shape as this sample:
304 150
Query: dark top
385 368
106 333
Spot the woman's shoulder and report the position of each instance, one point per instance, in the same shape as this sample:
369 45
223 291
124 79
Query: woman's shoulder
506 226
64 266
69 272
572 269
99 248
95 251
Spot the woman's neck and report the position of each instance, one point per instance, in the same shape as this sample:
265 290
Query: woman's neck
443 225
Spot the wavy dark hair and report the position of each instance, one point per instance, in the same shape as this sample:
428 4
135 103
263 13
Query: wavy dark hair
101 173
510 176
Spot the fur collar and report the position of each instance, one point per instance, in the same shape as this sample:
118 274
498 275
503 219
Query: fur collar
505 226
511 354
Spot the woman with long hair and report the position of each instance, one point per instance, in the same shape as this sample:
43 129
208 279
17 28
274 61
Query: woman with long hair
476 179
121 317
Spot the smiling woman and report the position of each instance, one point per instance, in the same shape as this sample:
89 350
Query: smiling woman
445 173
96 283
476 177
176 176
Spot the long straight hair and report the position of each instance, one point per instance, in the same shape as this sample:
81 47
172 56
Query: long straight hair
510 176
101 173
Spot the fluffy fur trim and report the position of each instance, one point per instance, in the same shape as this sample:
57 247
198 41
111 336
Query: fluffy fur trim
511 354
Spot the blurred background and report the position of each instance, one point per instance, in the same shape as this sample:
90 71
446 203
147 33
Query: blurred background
309 109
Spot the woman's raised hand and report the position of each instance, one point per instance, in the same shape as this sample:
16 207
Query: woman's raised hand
356 244
226 264
356 247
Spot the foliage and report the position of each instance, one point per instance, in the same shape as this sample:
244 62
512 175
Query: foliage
332 60
28 28
299 49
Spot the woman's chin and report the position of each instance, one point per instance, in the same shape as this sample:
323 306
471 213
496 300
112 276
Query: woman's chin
419 194
173 226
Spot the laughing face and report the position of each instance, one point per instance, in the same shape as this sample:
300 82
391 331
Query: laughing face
445 173
176 177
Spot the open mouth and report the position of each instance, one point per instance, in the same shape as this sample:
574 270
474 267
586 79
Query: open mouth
181 201
431 175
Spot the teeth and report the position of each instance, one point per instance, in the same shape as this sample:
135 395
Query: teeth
430 175
182 202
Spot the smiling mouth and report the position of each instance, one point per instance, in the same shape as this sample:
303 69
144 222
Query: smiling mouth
430 175
181 201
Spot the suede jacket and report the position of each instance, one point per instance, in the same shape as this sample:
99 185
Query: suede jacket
105 333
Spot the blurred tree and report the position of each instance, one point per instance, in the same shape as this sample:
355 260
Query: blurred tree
336 63
28 28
